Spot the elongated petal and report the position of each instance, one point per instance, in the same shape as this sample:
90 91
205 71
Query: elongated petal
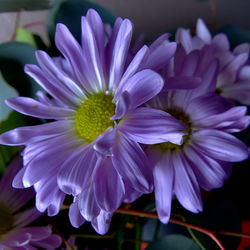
119 54
31 107
24 135
149 126
208 172
143 86
186 186
183 36
202 31
102 222
75 216
131 163
163 179
105 141
221 42
75 173
92 56
182 82
220 145
50 243
106 180
87 204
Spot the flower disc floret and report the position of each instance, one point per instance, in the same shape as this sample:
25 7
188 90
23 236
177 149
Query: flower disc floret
93 116
6 219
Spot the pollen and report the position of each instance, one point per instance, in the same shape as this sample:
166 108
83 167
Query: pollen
93 116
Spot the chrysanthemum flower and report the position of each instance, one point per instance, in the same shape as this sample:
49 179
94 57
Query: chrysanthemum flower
233 80
204 159
93 146
14 230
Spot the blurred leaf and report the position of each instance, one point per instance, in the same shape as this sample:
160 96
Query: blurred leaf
236 35
173 242
6 92
13 57
24 35
16 5
69 12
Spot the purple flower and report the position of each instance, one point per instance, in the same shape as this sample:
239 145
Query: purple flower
14 230
93 146
204 159
233 80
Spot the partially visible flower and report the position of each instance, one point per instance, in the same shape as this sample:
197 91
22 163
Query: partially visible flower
204 159
14 230
93 146
233 80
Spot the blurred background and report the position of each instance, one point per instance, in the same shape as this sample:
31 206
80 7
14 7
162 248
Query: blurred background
152 17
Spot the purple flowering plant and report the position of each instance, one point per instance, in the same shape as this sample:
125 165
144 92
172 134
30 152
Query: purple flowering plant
110 131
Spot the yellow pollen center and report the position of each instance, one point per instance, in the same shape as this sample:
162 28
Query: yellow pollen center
181 116
6 220
93 116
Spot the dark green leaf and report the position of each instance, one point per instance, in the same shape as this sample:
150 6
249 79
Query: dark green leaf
173 242
16 5
13 57
69 12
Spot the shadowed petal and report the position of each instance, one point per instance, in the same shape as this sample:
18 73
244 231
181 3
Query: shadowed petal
106 180
163 179
75 216
149 126
102 222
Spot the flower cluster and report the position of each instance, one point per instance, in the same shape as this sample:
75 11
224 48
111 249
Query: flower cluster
14 233
127 121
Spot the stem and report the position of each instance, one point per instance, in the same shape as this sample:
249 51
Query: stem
186 224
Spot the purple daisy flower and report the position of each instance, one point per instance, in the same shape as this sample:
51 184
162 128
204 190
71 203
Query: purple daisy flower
233 80
204 159
93 146
14 230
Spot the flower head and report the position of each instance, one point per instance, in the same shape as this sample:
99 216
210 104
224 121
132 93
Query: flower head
204 159
93 146
14 230
233 82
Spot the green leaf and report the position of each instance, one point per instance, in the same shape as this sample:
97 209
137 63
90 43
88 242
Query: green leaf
23 35
69 12
6 92
7 153
13 57
173 242
16 5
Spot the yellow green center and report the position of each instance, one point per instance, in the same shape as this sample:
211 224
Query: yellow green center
93 117
181 116
6 219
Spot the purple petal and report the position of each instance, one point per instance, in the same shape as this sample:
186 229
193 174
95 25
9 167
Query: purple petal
190 64
130 193
76 171
221 42
106 180
26 217
72 51
122 106
131 163
186 186
242 48
91 54
87 204
209 172
184 38
120 52
31 107
163 180
25 135
16 239
182 82
220 145
75 216
101 222
50 243
149 126
105 141
239 91
38 233
143 86
202 31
